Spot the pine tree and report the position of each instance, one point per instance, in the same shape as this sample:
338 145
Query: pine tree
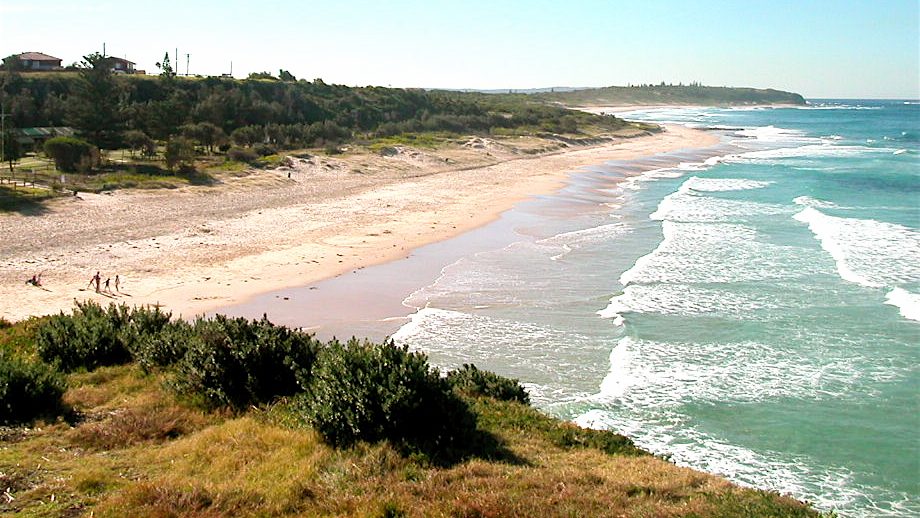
96 103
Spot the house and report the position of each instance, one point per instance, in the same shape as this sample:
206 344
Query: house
39 61
34 138
121 65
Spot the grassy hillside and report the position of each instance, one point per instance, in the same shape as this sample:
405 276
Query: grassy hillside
672 94
126 443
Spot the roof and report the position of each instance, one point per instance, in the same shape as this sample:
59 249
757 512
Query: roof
59 131
123 60
37 56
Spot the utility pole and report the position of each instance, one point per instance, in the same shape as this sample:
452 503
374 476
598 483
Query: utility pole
186 65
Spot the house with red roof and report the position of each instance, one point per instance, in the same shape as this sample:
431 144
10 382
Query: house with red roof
39 61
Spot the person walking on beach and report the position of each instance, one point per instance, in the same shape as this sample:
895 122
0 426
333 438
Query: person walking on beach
107 289
117 283
95 281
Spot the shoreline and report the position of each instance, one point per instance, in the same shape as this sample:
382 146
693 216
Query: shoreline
262 233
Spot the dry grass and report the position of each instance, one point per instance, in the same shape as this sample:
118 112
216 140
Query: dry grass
140 454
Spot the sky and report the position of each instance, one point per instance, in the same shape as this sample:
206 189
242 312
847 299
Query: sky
819 48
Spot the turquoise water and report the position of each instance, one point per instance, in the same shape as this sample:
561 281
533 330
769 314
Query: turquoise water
753 312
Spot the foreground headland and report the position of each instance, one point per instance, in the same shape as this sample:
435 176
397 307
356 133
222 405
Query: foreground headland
198 248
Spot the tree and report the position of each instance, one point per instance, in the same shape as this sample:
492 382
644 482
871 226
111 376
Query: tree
12 150
71 154
95 107
206 134
180 152
12 63
166 69
137 140
286 76
248 135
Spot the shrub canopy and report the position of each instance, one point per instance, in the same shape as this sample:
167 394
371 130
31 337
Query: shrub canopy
70 153
362 391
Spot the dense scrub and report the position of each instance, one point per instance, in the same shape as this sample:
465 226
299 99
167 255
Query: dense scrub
362 391
349 393
93 336
28 388
478 383
284 114
235 363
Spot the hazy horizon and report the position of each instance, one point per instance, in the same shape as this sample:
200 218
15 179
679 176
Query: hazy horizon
822 49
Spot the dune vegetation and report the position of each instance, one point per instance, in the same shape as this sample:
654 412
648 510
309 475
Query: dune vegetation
145 415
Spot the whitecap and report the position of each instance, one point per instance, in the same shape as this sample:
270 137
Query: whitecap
908 303
693 252
808 201
867 252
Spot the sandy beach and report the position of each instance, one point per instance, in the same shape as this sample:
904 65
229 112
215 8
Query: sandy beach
198 248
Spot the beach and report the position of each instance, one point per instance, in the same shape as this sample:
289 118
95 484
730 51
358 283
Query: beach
198 248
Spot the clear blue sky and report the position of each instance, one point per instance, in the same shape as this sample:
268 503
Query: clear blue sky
817 48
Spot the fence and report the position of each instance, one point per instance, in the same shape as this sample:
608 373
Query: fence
33 180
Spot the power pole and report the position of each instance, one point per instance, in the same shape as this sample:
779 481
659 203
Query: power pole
186 65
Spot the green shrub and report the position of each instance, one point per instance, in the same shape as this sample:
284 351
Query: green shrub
91 337
362 391
234 362
163 348
264 149
71 153
474 382
242 154
180 153
28 389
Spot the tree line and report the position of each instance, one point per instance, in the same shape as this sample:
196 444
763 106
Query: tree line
113 112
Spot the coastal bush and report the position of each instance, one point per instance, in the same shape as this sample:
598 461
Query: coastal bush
71 153
180 152
235 363
362 391
471 381
28 389
163 348
264 149
242 154
90 337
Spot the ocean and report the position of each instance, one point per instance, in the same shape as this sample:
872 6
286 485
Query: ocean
751 310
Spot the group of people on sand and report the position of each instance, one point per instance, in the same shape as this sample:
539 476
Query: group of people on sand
96 282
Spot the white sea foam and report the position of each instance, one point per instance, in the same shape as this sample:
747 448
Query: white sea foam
718 252
650 384
808 201
682 299
823 150
566 242
543 355
908 303
772 134
688 204
827 487
723 184
867 252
